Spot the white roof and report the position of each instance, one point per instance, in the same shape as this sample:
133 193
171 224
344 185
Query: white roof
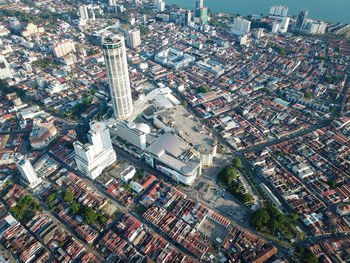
143 127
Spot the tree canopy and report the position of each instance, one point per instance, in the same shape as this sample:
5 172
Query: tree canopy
236 162
269 217
203 89
305 255
89 215
68 196
227 175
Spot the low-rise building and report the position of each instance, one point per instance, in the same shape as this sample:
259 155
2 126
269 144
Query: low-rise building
174 157
42 133
174 58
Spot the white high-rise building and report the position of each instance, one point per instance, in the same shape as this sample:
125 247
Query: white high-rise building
28 174
118 75
5 69
137 2
93 157
241 26
188 17
284 24
315 27
64 47
83 13
112 2
160 4
259 33
278 10
86 12
14 23
275 27
133 38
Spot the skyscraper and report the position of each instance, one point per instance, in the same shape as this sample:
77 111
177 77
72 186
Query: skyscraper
241 26
188 17
202 15
86 12
14 23
301 19
93 157
118 75
160 5
279 11
133 38
198 4
28 174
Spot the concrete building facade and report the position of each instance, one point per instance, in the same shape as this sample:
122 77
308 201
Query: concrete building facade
93 157
118 75
28 174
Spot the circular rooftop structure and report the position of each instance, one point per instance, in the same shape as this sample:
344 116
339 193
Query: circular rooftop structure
143 127
98 127
110 42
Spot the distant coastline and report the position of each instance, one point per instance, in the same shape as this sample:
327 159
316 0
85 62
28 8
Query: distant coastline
332 11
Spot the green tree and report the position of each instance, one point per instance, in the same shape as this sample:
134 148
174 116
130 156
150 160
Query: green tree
294 216
51 197
203 89
27 200
89 216
227 175
332 183
144 30
68 196
308 95
102 219
260 218
247 198
273 225
236 162
184 103
329 80
305 256
74 208
311 258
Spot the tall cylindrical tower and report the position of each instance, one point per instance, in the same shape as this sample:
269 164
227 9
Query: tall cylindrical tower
118 76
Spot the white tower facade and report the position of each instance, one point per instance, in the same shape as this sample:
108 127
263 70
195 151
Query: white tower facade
118 75
279 10
28 173
241 26
133 38
14 23
285 24
92 158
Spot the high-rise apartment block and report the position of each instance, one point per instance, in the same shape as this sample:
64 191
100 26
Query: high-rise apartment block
160 5
202 15
118 75
278 11
301 19
28 174
112 2
87 12
14 23
64 47
241 26
93 157
133 38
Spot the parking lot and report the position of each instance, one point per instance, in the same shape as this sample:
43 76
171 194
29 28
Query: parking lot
117 168
223 201
215 231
